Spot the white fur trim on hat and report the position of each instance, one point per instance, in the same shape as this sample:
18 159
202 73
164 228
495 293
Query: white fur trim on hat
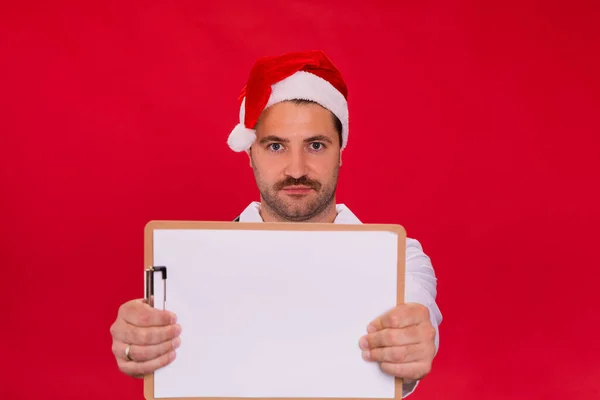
301 85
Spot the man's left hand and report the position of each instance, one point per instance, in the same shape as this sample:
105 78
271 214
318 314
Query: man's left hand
402 342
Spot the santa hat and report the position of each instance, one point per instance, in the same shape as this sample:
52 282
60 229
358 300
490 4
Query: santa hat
293 76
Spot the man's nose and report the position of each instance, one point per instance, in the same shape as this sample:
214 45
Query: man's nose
297 166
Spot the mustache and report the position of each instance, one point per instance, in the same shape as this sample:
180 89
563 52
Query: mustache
303 181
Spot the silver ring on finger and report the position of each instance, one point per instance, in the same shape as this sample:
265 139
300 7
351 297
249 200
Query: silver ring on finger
128 352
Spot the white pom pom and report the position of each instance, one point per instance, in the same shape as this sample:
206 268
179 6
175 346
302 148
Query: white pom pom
241 138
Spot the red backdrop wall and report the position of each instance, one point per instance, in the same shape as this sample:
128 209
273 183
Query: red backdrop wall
473 124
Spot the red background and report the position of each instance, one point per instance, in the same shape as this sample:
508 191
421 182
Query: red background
473 124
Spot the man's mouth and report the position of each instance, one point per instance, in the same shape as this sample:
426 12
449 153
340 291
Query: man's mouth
298 189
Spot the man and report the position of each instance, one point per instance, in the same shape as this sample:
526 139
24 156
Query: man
294 126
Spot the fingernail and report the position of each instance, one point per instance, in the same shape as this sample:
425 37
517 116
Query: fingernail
172 356
178 330
366 355
176 343
371 328
173 318
364 344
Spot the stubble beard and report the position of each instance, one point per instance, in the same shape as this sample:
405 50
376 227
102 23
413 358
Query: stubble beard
288 209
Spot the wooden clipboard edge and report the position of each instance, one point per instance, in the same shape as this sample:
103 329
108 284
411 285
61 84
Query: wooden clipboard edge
148 261
399 230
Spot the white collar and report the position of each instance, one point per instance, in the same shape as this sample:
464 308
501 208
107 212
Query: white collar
344 215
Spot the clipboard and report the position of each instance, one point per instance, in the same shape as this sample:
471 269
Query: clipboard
159 275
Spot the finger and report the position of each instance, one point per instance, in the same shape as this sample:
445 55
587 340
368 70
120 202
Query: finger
400 317
396 354
140 313
390 338
135 335
151 336
139 369
145 353
410 371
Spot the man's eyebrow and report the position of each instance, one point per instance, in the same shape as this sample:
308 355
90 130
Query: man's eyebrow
318 138
273 138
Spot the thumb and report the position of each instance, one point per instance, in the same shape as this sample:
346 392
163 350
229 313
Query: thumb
140 313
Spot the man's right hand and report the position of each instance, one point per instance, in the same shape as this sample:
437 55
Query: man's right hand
152 333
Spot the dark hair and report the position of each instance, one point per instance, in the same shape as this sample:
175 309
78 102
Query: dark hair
336 121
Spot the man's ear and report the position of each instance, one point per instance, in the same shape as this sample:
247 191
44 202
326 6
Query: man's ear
340 158
249 152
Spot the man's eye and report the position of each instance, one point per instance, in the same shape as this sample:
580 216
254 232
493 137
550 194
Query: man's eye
317 146
275 146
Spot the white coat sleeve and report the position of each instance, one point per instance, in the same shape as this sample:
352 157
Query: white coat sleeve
421 287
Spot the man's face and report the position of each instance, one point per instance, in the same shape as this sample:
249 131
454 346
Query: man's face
296 159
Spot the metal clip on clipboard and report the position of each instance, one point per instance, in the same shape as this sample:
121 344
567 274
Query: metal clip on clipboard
150 284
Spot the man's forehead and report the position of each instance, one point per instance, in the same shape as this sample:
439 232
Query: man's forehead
295 132
289 113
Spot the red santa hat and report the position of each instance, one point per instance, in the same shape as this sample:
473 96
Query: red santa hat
293 76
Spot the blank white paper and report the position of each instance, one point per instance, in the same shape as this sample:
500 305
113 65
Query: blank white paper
275 313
